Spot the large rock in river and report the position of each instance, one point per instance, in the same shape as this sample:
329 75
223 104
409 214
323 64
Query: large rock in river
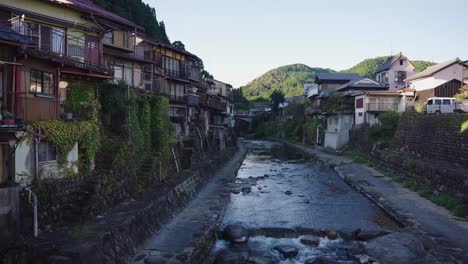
287 251
398 247
236 233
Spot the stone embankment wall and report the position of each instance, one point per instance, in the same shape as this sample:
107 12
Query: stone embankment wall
436 137
114 235
432 151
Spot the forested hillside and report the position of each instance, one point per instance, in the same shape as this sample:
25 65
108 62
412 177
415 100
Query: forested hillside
369 67
139 13
289 79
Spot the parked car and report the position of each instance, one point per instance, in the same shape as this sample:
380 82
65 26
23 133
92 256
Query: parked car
439 105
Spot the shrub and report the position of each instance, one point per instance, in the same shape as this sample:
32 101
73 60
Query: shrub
420 107
386 128
459 211
409 164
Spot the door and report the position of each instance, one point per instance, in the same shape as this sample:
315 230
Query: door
447 106
92 54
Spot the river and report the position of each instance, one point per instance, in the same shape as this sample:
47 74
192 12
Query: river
280 188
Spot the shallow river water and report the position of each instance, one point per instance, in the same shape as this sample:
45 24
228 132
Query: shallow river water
292 190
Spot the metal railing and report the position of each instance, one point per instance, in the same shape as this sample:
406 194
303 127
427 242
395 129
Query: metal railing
56 42
382 107
194 75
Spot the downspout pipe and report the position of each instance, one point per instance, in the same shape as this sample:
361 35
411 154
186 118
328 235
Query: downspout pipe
36 158
33 201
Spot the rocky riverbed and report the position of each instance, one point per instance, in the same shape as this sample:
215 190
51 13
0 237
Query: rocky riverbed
287 207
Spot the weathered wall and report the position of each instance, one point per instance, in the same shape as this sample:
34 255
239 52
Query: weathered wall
437 137
115 234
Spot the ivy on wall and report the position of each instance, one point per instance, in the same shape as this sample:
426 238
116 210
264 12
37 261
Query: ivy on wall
63 135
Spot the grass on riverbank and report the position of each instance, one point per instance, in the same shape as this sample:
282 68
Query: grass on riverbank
444 200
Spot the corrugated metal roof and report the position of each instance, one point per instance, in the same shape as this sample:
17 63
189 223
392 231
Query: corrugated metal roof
88 6
433 69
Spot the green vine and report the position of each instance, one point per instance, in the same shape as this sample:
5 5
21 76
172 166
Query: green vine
63 136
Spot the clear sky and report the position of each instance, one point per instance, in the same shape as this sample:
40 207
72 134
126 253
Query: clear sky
239 40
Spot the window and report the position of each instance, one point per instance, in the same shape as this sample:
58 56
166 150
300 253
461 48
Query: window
401 62
438 102
118 72
42 83
171 66
46 152
360 103
108 38
446 102
400 76
128 75
430 102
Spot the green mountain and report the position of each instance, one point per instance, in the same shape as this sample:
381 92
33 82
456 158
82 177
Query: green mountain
139 13
421 65
369 67
289 79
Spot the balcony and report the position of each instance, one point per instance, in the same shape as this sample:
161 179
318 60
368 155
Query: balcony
382 107
192 100
55 44
216 104
194 75
174 73
180 99
36 108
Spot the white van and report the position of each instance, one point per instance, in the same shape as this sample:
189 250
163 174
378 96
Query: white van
438 105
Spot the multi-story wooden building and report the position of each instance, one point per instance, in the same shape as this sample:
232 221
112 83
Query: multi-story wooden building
65 52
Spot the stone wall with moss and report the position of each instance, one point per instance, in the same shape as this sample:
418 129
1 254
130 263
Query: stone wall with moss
438 137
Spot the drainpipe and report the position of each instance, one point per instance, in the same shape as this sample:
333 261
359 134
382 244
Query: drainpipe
34 205
36 158
13 87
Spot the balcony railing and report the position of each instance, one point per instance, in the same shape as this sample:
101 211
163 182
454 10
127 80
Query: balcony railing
176 98
216 104
194 75
192 100
382 107
83 52
36 108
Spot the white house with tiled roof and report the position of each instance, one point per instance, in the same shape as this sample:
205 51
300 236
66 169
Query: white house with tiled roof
394 71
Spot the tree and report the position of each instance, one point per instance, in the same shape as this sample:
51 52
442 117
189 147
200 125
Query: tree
178 44
240 102
277 98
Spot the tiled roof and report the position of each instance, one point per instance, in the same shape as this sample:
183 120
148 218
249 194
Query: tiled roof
7 34
433 69
363 83
88 6
389 62
337 76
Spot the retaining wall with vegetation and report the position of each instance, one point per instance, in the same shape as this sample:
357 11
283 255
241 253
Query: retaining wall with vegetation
436 137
